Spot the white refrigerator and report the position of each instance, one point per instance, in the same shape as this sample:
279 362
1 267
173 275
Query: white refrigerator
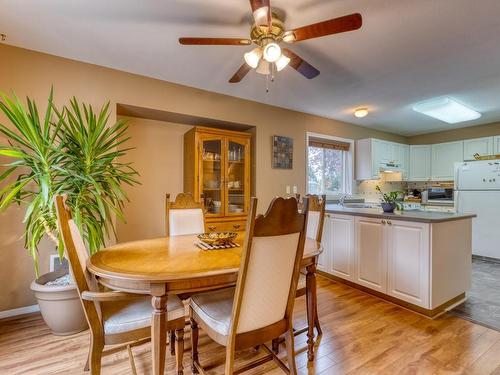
477 190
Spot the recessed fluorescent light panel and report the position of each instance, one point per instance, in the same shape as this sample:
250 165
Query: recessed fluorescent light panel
447 110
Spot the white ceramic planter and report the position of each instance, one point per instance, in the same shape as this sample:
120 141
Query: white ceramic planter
60 306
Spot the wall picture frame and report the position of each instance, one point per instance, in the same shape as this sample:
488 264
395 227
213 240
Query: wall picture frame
282 152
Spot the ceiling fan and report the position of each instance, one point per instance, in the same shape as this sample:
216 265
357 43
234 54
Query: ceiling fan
268 32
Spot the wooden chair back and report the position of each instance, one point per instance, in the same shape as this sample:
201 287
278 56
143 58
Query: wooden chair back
269 271
316 217
77 256
184 215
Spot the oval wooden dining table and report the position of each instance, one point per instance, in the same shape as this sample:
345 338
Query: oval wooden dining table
175 265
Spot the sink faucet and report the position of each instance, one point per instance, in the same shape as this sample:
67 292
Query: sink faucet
342 199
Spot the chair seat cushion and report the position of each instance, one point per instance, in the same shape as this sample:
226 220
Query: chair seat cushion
215 309
130 315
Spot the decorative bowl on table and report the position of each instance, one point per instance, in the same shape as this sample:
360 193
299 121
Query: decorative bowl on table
217 238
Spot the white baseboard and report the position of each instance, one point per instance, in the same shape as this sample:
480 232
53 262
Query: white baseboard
19 311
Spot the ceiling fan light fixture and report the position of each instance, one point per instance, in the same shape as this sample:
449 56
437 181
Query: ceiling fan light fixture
272 52
253 57
288 36
264 67
282 62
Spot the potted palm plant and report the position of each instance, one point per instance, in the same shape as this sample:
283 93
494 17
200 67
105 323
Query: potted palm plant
70 151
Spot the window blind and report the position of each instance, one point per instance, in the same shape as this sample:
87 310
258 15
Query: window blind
329 143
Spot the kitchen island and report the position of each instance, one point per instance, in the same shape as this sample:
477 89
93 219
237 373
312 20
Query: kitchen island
420 260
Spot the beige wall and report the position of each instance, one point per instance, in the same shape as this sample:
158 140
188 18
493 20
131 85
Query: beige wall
32 73
456 134
158 158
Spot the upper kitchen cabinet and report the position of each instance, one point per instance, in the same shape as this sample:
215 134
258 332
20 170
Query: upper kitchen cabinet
374 155
482 146
420 163
404 157
496 146
444 157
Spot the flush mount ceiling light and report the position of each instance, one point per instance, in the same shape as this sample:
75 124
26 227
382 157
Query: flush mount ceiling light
447 110
361 112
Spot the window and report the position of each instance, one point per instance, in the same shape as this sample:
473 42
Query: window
329 165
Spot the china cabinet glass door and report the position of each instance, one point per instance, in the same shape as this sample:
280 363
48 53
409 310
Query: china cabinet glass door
237 179
212 175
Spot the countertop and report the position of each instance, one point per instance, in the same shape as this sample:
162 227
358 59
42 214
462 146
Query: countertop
413 215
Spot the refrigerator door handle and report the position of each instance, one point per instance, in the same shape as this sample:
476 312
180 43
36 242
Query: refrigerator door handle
456 199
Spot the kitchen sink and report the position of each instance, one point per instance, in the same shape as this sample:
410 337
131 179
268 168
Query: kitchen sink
359 205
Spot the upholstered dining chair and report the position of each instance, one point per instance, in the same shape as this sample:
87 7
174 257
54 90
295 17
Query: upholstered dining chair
315 222
260 307
114 318
184 215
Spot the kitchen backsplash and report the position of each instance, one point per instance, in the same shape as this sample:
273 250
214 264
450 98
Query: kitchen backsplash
366 189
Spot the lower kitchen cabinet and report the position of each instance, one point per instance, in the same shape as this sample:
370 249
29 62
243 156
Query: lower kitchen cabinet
424 266
389 256
408 254
326 244
371 253
342 257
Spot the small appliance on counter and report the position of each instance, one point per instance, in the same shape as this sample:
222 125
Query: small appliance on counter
438 196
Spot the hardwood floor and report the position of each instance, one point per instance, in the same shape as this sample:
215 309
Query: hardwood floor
361 335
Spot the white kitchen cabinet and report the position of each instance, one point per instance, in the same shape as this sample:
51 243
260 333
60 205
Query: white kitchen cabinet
482 146
326 244
408 254
496 145
420 163
371 153
404 160
342 257
444 157
371 253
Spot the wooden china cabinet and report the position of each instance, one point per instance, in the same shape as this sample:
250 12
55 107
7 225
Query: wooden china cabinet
217 171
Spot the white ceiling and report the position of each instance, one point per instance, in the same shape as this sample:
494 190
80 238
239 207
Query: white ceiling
406 51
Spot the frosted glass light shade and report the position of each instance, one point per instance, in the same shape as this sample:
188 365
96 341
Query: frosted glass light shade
272 52
264 67
252 58
447 110
282 62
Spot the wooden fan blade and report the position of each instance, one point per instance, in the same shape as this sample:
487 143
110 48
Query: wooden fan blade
333 26
300 65
240 73
215 41
261 10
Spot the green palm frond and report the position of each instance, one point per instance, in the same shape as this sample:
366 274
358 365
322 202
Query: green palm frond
73 151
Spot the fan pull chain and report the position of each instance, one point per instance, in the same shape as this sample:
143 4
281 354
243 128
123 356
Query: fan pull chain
267 83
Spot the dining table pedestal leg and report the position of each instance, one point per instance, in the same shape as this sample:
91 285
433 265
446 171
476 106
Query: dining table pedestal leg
311 308
159 328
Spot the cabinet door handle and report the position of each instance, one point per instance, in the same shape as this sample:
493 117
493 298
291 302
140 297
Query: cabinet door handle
389 222
236 226
212 227
383 221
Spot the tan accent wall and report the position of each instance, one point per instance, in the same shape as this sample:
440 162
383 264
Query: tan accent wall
33 73
456 134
